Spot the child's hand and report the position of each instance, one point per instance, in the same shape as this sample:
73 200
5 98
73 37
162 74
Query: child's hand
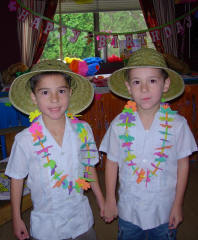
175 217
20 230
101 204
102 211
110 211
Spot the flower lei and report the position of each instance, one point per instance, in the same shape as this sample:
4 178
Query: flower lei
128 120
38 138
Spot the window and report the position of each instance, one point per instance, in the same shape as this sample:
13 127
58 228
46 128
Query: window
116 22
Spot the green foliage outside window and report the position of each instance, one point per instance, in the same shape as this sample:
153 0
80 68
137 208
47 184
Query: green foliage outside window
78 49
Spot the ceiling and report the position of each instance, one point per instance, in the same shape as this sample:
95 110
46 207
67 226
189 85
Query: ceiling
76 6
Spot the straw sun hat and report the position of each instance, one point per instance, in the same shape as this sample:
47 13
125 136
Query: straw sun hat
82 90
146 57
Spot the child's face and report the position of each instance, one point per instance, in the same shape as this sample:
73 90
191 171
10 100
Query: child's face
146 86
52 96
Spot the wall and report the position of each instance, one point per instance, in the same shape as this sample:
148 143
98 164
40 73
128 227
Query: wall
9 41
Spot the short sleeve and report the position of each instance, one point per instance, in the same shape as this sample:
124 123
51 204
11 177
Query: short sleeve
17 166
186 144
110 144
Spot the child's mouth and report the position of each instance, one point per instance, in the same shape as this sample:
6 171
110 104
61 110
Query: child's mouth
146 99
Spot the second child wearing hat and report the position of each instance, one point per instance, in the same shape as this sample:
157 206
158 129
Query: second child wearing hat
57 154
150 144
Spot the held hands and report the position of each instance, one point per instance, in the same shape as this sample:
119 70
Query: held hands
110 211
175 217
20 230
101 206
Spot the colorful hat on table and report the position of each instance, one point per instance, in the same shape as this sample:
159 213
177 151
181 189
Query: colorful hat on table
82 90
146 57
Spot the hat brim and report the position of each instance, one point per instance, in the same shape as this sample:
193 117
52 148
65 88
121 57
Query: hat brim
116 83
81 98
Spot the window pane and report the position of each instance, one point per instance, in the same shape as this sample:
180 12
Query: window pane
123 21
78 49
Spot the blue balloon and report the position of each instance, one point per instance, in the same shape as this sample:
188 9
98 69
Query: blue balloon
92 69
91 60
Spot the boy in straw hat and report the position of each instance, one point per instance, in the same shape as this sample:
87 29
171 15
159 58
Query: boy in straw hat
56 153
150 145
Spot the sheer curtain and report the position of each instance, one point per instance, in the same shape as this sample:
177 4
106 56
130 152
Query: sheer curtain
28 36
148 10
165 12
32 41
159 12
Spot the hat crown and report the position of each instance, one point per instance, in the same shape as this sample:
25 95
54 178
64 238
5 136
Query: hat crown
50 65
147 57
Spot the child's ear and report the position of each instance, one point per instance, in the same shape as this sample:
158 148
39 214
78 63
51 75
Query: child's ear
166 84
70 92
128 86
33 97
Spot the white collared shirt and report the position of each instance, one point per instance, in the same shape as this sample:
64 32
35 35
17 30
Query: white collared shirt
56 213
148 205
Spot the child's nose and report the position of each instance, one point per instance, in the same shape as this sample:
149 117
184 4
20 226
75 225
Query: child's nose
54 97
144 87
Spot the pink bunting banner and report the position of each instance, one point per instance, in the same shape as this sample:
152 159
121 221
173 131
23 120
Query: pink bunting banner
107 37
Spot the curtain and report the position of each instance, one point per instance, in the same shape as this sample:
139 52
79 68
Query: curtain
74 6
165 12
151 20
28 37
32 41
159 12
49 12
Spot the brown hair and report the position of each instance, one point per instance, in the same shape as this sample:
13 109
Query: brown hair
127 71
35 79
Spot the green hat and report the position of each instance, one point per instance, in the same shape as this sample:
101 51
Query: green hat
146 57
82 89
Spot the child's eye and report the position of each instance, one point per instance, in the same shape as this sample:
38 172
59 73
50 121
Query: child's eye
45 92
153 80
136 82
62 91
